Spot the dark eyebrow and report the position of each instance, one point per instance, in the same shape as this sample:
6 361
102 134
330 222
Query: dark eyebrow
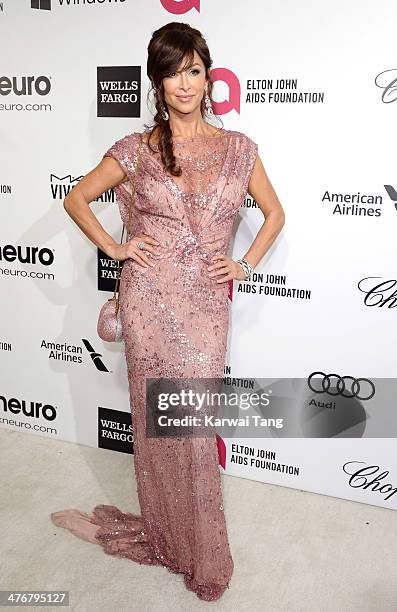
196 64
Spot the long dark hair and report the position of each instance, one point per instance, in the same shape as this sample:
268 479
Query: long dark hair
167 48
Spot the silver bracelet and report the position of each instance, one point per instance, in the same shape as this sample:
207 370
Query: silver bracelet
247 267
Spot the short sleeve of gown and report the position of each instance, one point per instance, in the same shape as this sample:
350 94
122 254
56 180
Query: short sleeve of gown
248 155
125 151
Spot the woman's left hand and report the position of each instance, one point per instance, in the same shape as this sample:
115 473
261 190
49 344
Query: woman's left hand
225 266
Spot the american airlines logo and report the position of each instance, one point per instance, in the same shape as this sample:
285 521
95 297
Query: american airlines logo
95 356
392 193
68 352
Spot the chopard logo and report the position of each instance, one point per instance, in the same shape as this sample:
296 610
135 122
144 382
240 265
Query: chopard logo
360 478
387 81
325 385
379 294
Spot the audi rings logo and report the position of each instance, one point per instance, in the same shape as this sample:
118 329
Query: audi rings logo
343 383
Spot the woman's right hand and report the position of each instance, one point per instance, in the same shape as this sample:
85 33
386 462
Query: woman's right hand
130 250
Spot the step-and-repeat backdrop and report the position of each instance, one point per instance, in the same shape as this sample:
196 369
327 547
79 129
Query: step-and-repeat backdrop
314 85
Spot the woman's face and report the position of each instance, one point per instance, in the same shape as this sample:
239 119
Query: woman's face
184 89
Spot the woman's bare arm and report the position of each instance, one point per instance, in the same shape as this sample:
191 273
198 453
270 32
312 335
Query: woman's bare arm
261 189
107 174
104 176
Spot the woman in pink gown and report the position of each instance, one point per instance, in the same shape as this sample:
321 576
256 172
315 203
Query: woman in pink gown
175 317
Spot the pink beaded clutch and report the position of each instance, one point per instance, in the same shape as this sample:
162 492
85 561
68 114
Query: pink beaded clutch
109 325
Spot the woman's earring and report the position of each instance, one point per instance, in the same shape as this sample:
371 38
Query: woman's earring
208 105
164 113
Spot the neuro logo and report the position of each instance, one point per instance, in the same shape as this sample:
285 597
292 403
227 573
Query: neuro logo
180 7
392 193
234 91
25 85
26 254
44 5
31 409
387 82
96 357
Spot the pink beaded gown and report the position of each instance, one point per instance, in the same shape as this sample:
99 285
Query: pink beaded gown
175 324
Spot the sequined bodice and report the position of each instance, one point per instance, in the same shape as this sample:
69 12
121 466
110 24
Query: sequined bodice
190 215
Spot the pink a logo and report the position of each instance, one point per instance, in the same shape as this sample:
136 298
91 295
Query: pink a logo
222 452
230 294
183 6
231 80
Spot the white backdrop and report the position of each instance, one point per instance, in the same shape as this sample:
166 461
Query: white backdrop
313 85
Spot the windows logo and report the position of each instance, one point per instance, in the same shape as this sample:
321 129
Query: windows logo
45 5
